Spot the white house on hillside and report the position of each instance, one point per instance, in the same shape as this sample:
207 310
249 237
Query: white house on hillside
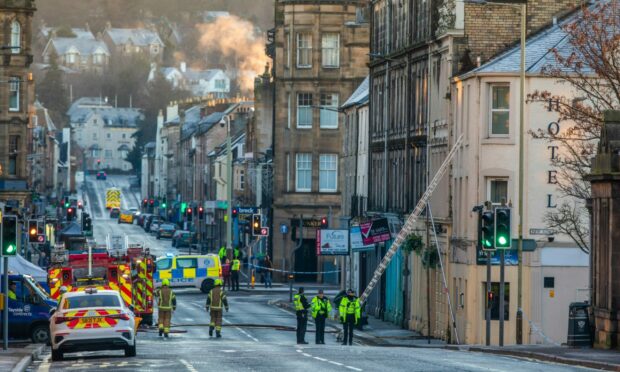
199 82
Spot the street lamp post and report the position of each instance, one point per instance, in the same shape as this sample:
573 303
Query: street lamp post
229 188
522 5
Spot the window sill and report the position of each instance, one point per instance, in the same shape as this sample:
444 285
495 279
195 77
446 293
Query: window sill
302 191
303 128
498 141
329 192
304 67
329 128
331 67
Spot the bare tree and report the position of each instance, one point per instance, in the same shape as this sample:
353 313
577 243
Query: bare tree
590 64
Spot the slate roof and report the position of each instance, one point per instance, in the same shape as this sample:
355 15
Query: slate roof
538 52
84 46
114 117
138 36
360 96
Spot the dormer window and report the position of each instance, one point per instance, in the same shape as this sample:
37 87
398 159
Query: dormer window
16 37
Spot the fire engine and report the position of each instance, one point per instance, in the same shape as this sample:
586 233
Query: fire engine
130 273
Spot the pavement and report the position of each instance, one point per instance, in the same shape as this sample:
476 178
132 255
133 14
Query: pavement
17 359
608 360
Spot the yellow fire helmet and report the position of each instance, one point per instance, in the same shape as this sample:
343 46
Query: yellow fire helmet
165 282
219 282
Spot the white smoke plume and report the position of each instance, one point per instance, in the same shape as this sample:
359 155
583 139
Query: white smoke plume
235 40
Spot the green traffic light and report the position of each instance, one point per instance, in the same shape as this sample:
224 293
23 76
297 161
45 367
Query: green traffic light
67 205
11 249
502 240
163 205
487 243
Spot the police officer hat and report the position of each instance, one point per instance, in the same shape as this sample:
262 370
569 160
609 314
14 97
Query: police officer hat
300 290
350 291
320 291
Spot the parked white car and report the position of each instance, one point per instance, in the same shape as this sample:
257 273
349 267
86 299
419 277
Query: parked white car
92 320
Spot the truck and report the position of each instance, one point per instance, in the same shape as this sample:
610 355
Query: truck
130 272
29 313
113 198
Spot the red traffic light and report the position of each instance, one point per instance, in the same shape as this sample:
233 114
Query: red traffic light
151 201
70 210
200 210
324 223
189 211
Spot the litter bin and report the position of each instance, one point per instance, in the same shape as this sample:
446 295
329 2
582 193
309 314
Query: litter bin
578 324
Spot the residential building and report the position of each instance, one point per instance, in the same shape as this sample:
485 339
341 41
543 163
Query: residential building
147 181
213 83
486 113
416 47
103 132
44 152
354 164
134 41
83 52
320 53
16 100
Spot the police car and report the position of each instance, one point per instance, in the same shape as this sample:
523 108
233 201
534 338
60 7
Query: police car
92 320
198 271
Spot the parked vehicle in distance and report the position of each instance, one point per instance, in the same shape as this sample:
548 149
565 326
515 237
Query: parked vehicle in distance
92 320
135 212
125 217
154 228
183 238
115 212
166 230
101 175
142 218
149 220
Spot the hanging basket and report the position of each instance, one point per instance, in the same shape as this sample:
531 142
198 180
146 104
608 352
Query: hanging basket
413 243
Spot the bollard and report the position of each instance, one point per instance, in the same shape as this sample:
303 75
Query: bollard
253 280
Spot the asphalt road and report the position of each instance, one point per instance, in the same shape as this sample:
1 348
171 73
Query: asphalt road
257 336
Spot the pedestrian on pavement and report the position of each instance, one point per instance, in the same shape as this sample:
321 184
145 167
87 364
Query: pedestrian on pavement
349 315
321 307
215 299
236 266
166 304
222 254
226 274
301 311
267 266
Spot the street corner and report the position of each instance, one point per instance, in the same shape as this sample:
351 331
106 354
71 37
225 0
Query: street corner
17 359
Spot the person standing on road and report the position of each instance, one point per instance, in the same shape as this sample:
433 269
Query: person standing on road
215 299
350 313
321 307
166 304
236 266
301 310
267 266
226 274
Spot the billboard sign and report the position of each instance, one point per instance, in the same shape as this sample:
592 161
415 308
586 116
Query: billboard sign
376 231
332 242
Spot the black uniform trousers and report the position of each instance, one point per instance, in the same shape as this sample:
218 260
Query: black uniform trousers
347 326
302 323
319 321
235 280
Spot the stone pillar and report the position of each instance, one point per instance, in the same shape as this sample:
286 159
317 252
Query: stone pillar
605 222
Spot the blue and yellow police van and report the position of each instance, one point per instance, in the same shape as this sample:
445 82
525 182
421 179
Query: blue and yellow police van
198 271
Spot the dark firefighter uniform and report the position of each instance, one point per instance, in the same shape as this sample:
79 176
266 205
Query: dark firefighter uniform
321 307
215 301
166 304
350 313
301 310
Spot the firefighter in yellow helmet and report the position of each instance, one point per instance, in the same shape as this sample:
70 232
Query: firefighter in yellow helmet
166 304
215 300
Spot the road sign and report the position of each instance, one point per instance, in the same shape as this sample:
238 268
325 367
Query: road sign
264 231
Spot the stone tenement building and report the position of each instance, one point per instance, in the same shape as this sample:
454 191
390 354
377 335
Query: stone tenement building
17 97
320 58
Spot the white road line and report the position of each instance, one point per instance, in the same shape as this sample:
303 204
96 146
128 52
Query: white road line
241 330
188 366
353 368
306 354
321 359
335 363
299 351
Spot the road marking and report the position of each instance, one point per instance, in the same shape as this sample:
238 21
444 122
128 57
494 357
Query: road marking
306 354
328 361
242 331
188 366
353 368
335 363
321 359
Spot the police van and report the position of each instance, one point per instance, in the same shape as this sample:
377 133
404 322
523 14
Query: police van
198 271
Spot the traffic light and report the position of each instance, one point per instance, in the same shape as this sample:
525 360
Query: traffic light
264 231
324 224
164 203
88 224
235 212
489 299
70 214
67 203
144 202
488 230
256 225
151 202
80 205
201 213
9 235
33 231
503 239
189 213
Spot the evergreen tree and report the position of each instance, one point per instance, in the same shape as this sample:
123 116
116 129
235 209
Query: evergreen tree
52 91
